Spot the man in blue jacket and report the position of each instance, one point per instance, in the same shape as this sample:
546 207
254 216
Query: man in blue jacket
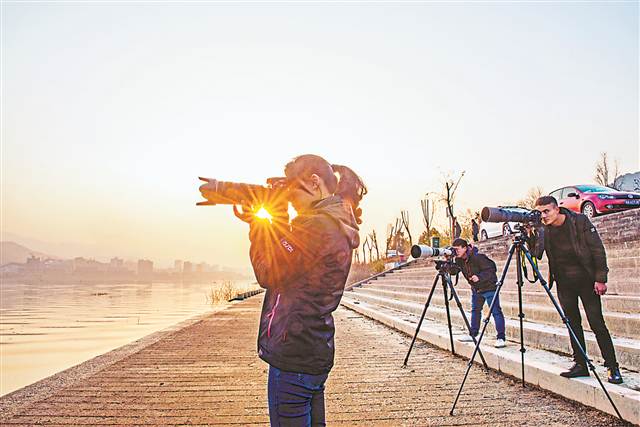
480 272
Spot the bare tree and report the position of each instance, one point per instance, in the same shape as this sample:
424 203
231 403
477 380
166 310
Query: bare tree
356 256
365 245
602 171
449 197
374 243
405 222
428 211
529 201
390 235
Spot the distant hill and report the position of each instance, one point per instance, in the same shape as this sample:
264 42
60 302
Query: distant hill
13 252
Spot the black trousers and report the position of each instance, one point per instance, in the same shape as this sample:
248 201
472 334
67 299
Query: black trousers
568 292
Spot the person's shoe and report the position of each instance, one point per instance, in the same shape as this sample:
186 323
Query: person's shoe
577 370
613 376
500 343
466 338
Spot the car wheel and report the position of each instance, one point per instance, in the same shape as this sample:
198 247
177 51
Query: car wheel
588 209
506 230
483 235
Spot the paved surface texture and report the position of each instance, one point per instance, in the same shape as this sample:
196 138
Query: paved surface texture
208 374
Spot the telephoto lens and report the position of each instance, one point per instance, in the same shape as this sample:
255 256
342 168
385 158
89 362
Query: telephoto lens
424 251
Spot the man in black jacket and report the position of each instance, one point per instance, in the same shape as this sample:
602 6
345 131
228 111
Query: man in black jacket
480 272
578 263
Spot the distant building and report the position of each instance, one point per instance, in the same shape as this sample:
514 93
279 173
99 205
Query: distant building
116 263
35 263
145 267
187 267
82 265
177 266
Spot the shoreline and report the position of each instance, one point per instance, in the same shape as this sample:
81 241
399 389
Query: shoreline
11 402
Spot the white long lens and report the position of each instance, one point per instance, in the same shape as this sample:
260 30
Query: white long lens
424 251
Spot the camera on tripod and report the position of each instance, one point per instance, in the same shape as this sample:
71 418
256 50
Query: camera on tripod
447 265
532 217
236 193
529 220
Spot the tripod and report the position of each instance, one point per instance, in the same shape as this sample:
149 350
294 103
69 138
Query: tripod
520 249
445 268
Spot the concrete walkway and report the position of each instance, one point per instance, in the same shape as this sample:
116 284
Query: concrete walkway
207 373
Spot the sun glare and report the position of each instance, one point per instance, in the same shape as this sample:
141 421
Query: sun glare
263 213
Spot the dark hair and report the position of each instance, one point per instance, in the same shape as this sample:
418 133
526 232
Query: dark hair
546 200
347 184
460 243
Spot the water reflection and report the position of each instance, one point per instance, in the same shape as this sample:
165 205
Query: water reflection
46 328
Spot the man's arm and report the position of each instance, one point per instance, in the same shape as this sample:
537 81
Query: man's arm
487 267
594 243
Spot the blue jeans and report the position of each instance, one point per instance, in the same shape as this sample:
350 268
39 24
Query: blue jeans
477 301
295 399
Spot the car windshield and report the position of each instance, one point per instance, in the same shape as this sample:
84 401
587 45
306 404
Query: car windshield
594 189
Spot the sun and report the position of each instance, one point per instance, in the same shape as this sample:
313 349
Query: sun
263 213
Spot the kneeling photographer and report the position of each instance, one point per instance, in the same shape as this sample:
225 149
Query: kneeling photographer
303 266
480 272
578 263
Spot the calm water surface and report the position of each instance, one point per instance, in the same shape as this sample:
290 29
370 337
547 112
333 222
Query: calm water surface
46 328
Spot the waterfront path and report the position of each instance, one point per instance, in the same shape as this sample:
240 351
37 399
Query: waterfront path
207 373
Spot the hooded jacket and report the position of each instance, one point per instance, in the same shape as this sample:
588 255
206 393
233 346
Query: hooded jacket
586 243
304 269
480 265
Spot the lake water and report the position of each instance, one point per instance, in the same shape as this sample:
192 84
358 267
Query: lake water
46 328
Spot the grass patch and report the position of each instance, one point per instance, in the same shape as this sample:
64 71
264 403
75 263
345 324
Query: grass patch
221 294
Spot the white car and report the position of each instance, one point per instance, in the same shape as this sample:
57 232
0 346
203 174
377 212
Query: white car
494 229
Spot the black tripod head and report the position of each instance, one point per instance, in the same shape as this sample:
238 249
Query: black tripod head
447 266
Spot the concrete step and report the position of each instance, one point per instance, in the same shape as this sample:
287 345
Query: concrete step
621 281
619 324
542 368
546 337
610 303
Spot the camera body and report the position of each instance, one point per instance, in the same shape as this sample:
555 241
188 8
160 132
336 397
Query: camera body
236 193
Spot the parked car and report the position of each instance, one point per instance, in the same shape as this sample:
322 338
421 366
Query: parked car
493 229
592 200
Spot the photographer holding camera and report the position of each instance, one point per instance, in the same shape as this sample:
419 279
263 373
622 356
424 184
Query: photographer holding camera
578 263
303 266
480 272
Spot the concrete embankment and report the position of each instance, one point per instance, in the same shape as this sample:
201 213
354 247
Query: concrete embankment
206 372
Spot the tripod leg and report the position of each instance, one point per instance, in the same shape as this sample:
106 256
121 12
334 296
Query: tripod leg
446 305
424 312
464 317
484 327
520 282
572 334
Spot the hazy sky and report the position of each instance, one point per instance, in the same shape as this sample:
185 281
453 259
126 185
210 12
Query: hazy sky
110 111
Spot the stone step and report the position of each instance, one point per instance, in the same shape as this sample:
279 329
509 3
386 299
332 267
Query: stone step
610 303
542 368
546 337
621 281
619 324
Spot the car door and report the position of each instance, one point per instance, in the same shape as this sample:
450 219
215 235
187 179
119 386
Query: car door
572 203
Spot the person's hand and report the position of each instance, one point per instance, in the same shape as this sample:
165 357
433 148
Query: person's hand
600 288
474 278
246 213
528 228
